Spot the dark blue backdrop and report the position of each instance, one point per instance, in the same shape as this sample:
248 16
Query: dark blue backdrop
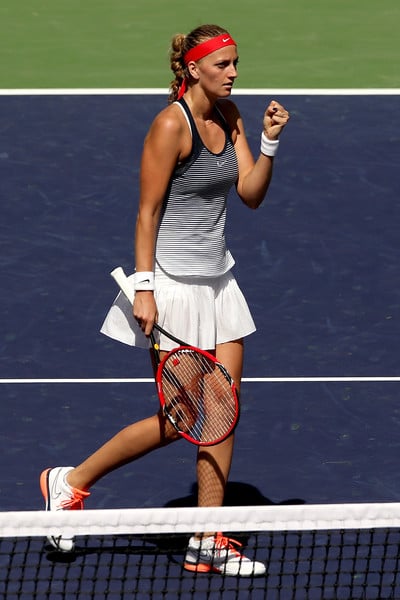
318 262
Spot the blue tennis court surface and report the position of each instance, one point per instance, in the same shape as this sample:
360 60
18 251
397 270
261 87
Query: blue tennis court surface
319 264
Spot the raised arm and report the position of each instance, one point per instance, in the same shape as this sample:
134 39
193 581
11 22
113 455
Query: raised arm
255 176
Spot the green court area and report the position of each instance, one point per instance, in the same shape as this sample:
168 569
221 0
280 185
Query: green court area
124 43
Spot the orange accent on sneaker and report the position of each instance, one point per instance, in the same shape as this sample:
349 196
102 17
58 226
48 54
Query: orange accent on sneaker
43 483
221 542
197 567
76 501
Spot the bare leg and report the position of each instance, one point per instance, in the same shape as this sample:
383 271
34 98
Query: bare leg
138 439
127 445
214 462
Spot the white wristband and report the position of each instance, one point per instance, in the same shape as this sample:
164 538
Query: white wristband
268 147
144 281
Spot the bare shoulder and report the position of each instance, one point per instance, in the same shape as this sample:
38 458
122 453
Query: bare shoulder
169 121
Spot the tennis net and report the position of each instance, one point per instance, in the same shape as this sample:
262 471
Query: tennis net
321 552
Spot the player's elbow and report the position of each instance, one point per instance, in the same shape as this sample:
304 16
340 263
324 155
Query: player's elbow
252 199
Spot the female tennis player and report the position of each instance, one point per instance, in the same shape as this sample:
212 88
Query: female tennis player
195 151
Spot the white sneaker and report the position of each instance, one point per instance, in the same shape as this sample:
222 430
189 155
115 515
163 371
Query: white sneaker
219 554
59 495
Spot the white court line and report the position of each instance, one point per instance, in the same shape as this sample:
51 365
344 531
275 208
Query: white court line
244 380
237 91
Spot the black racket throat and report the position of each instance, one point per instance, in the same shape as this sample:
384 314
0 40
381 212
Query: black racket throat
156 347
169 335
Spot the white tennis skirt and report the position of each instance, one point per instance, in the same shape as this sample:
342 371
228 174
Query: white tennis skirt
201 312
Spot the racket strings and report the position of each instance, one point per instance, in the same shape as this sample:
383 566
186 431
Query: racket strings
198 396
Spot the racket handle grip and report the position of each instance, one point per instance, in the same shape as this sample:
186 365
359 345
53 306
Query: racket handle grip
125 285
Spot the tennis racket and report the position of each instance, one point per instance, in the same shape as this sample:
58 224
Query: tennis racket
196 393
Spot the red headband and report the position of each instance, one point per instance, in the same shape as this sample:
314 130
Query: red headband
202 50
215 43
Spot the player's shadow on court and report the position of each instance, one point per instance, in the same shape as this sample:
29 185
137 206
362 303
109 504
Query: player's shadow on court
237 493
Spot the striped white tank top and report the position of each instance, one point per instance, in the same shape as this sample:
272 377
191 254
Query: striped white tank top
191 236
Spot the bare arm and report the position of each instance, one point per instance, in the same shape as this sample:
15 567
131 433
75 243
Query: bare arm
255 176
162 149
